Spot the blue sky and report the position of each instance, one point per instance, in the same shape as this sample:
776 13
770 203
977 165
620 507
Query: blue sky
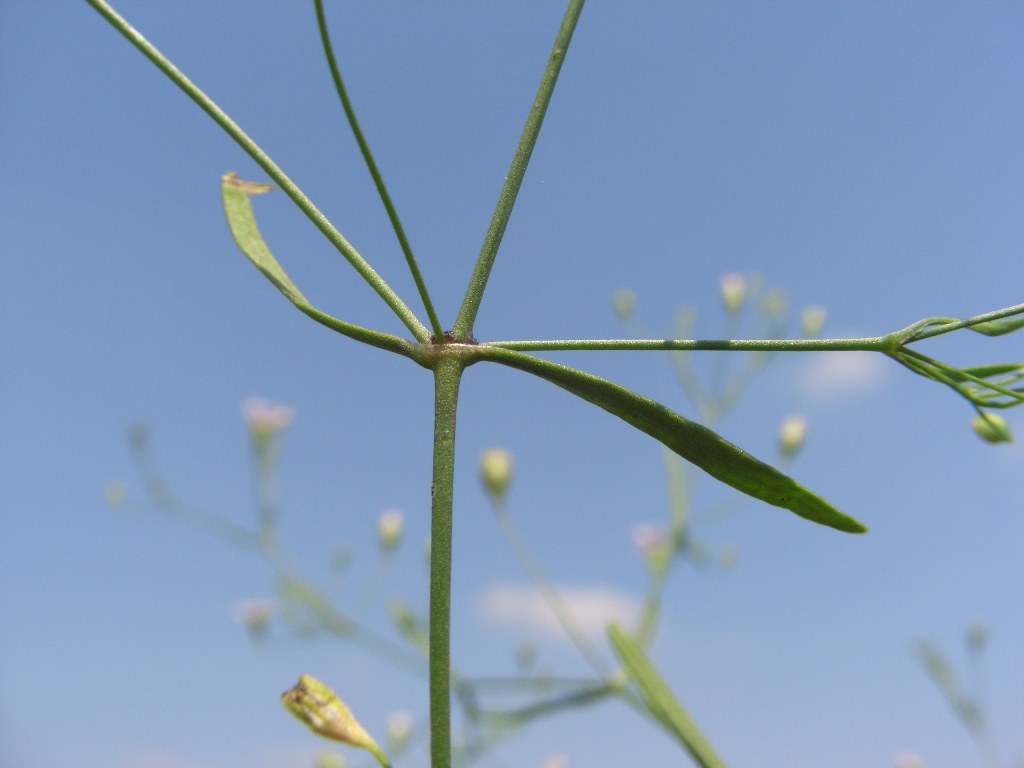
866 157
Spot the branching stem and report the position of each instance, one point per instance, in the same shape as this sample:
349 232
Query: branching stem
378 180
406 315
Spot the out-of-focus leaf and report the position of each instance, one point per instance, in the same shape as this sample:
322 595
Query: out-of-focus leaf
660 701
694 442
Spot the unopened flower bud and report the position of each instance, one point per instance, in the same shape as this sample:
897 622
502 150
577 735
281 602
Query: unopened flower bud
319 707
399 731
734 292
908 760
265 419
389 529
992 428
255 616
654 545
330 759
115 493
812 320
624 301
496 471
792 432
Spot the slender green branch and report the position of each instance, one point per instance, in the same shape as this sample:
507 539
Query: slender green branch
243 140
447 375
870 343
546 588
371 165
513 181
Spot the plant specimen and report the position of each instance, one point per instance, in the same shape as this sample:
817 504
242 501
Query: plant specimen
447 353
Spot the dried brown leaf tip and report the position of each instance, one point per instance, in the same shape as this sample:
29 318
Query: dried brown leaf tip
249 187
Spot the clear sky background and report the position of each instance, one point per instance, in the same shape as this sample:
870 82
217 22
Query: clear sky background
867 157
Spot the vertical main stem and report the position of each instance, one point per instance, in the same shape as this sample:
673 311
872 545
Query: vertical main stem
447 374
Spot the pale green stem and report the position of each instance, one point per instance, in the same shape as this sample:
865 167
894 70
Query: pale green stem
870 343
513 181
378 180
447 375
546 588
306 205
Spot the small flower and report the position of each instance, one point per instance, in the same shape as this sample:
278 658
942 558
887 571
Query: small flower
812 320
624 301
255 616
496 471
992 428
792 432
734 292
556 761
653 544
264 418
399 731
319 707
907 759
389 529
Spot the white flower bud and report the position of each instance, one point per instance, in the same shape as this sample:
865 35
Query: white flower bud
734 292
624 301
556 761
389 529
255 616
907 760
992 428
330 759
792 432
812 320
399 731
654 546
496 471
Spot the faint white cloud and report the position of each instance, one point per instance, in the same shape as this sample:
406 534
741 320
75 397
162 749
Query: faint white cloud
592 607
842 373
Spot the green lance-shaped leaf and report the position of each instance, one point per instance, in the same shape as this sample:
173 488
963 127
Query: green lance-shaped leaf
694 442
235 193
660 701
999 327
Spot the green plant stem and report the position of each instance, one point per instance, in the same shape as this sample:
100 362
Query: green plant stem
513 181
447 375
406 315
869 343
546 588
378 180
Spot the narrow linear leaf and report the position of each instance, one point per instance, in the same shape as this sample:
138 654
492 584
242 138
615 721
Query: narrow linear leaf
999 327
694 442
996 369
238 210
660 701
